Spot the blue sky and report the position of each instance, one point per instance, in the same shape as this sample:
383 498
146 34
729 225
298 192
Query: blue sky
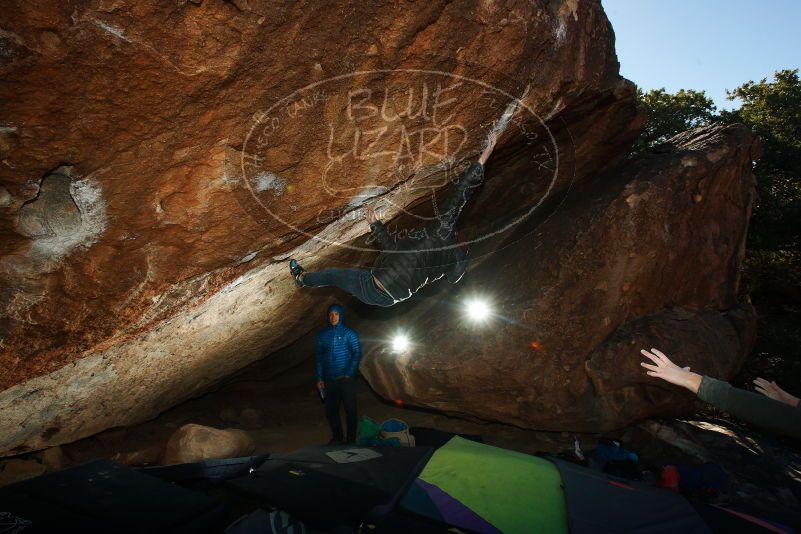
709 45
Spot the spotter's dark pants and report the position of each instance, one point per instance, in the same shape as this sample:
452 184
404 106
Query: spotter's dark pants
338 391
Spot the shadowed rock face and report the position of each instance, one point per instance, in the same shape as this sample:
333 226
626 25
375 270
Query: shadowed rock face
647 257
160 164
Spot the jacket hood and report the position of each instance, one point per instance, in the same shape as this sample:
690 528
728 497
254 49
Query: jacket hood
340 310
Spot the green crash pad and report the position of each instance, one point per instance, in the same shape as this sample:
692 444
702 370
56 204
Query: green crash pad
513 491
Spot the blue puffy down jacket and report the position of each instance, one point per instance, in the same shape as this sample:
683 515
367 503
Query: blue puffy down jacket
338 350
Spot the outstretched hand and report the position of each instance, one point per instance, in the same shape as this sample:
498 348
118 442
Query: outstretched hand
772 390
369 214
665 369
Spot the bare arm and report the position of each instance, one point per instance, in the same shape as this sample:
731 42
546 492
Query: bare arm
493 138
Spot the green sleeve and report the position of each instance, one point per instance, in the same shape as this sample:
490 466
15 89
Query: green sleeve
751 407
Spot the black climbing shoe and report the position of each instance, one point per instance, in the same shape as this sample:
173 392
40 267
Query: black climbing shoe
297 272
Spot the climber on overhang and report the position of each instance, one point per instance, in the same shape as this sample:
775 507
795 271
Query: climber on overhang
405 266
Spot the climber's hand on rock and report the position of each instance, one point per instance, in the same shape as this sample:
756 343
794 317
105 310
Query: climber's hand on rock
665 369
369 214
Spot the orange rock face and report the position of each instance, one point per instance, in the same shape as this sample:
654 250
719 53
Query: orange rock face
159 164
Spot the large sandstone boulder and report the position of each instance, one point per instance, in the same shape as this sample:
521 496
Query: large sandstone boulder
647 257
195 443
161 162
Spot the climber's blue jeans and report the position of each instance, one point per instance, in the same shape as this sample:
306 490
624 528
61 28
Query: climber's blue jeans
357 282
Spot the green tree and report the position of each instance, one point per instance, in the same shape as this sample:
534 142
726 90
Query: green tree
772 268
773 111
670 113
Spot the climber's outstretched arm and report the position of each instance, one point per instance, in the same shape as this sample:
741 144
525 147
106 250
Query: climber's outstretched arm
493 138
377 228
